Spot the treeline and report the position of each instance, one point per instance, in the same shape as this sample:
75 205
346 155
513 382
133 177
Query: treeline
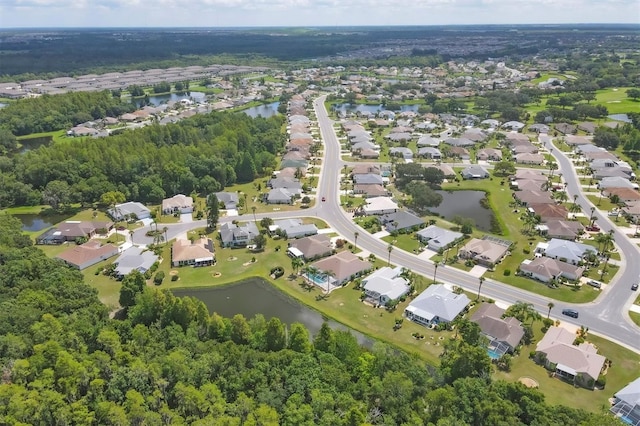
170 362
201 154
48 113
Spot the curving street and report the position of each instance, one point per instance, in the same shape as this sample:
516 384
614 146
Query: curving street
606 316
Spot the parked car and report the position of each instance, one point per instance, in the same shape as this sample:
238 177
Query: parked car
594 283
570 313
634 287
593 228
324 199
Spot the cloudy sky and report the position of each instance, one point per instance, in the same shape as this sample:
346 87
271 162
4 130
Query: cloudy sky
225 13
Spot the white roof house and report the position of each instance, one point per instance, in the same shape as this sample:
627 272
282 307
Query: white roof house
379 205
567 251
385 285
121 211
134 258
436 305
179 203
627 402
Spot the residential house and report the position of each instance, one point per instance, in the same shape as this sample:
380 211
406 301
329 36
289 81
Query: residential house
489 154
134 259
573 140
459 142
72 231
626 403
503 334
487 252
193 253
427 140
438 238
229 199
616 182
368 179
400 220
177 204
365 169
370 191
563 250
523 148
527 198
281 196
459 152
566 128
579 364
563 229
513 125
399 137
587 127
549 212
403 152
293 228
379 205
284 182
539 128
369 154
447 170
475 135
632 211
129 209
529 158
341 267
311 248
385 285
474 171
525 174
430 152
546 269
233 235
436 305
87 254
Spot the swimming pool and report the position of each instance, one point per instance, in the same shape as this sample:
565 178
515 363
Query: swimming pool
493 354
317 278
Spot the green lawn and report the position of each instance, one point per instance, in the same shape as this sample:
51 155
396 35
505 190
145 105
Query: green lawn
625 368
616 100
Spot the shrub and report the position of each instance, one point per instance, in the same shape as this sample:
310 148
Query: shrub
174 277
507 272
157 280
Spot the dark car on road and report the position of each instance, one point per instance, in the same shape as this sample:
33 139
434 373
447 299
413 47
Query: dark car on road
634 287
570 313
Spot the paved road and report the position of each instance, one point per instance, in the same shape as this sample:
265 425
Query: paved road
606 316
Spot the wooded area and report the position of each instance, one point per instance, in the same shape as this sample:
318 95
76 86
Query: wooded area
200 154
170 362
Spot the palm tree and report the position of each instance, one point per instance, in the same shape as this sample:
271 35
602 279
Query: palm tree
389 250
481 280
435 271
552 166
592 218
550 305
131 235
329 275
296 263
355 240
165 229
253 209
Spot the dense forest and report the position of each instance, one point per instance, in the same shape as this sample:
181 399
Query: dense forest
200 154
64 362
56 52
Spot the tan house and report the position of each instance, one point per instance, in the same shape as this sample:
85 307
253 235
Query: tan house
579 364
88 254
197 253
485 252
177 204
341 267
503 334
545 269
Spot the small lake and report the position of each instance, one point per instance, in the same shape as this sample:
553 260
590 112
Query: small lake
620 117
2 105
266 110
257 296
361 108
30 144
465 204
37 222
156 100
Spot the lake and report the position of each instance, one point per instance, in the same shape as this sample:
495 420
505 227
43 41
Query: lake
265 110
156 100
257 296
29 144
37 222
465 204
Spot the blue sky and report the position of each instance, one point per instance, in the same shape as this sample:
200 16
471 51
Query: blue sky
225 13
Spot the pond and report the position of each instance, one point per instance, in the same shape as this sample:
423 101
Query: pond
265 110
361 108
465 204
156 100
257 296
37 222
30 144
